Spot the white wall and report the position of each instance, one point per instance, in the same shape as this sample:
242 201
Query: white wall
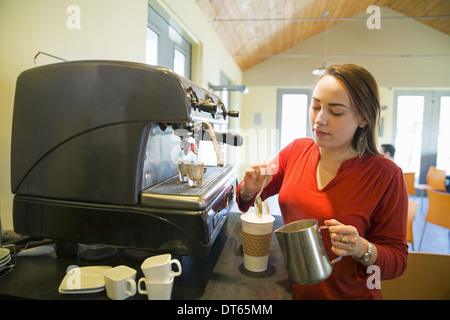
109 29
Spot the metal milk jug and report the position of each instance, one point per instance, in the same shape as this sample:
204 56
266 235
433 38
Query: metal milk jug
304 252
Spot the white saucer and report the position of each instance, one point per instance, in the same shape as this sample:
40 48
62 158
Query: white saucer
5 260
3 253
84 280
94 290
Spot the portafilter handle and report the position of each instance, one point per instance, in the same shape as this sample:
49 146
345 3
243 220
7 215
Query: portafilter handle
233 114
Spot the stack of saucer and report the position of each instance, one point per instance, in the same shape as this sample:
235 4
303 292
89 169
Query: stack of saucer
5 258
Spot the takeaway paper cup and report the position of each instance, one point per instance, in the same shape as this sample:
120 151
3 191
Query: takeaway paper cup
256 240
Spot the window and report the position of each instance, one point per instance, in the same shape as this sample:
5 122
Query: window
224 95
292 111
179 62
166 47
207 154
151 49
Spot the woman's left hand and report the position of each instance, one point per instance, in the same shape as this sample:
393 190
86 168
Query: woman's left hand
345 239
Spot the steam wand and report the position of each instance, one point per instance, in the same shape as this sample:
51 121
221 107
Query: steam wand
220 162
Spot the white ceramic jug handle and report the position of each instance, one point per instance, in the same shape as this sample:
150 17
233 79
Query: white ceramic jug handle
175 261
131 285
338 258
141 291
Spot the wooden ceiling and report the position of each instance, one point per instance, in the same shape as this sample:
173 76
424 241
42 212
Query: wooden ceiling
255 30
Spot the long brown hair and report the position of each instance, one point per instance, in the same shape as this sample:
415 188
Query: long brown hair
363 91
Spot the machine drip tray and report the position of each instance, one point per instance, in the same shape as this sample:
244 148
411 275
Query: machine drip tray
171 193
173 186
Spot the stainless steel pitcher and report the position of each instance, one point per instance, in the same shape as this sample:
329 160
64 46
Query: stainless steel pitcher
304 252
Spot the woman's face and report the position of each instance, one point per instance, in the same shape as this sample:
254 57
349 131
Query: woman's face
333 119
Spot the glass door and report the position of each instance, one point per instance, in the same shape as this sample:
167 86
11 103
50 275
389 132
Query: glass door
421 131
408 140
443 151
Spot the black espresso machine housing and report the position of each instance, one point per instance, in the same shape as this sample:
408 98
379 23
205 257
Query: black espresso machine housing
94 157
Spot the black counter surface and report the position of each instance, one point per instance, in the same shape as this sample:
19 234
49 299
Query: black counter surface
218 276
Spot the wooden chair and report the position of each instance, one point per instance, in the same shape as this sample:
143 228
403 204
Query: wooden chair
412 208
425 278
409 179
438 210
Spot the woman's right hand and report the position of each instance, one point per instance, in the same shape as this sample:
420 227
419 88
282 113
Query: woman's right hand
254 178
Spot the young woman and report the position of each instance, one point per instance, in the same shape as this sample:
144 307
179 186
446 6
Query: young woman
340 179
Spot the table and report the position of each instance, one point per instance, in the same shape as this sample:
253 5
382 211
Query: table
218 276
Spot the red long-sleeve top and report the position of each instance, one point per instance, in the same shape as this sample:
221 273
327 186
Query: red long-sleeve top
368 193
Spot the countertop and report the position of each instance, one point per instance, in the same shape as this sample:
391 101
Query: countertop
218 276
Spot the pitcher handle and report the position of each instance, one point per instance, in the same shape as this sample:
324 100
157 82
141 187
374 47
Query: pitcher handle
338 258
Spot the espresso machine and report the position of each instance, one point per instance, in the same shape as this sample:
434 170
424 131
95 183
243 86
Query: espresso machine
95 152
